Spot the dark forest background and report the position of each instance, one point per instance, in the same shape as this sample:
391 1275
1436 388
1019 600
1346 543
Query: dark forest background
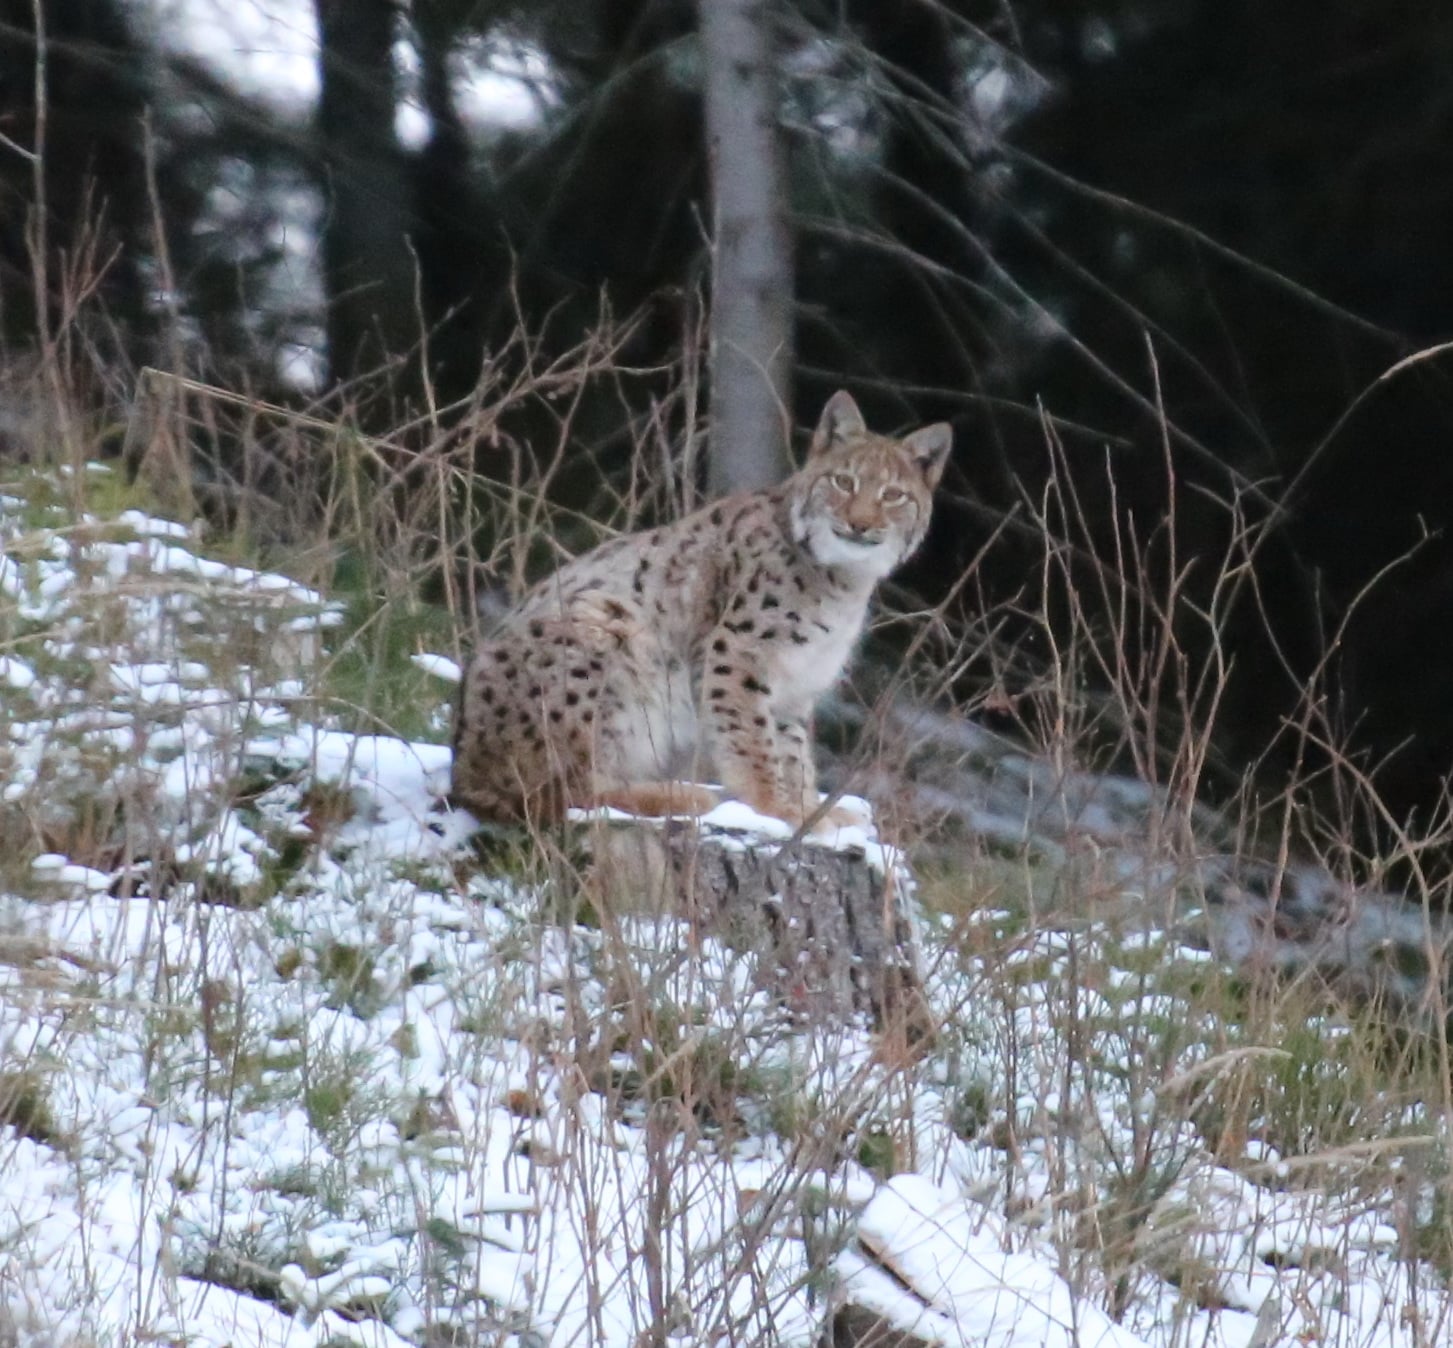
1184 232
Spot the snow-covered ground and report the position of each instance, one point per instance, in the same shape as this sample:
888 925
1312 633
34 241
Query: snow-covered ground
268 51
283 1062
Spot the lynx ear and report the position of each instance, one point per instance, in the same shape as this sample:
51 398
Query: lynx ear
928 447
840 419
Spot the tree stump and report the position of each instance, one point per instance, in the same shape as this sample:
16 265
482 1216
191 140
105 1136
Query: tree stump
829 930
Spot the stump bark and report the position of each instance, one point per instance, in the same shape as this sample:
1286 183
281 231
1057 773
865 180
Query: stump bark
830 931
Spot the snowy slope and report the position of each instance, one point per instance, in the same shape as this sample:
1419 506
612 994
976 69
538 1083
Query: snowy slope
283 1063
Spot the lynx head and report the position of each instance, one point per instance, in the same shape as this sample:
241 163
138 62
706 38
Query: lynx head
861 502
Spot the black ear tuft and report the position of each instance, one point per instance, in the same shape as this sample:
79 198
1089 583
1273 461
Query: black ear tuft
929 447
840 420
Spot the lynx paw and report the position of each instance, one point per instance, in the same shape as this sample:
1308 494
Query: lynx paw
850 812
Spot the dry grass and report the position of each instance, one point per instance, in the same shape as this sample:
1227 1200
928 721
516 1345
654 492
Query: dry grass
1101 1066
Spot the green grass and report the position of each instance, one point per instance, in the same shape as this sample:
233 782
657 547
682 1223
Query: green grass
53 499
370 681
25 1106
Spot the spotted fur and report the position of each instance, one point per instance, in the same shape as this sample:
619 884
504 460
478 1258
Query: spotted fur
697 648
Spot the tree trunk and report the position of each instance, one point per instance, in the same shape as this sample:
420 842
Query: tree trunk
751 288
366 263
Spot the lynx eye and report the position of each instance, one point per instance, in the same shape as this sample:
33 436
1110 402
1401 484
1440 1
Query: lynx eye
892 495
844 482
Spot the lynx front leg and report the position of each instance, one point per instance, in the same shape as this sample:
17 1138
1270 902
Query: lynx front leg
799 777
762 759
737 729
796 774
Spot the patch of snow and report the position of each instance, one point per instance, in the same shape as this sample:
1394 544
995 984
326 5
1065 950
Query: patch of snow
150 527
440 666
294 1043
15 673
268 50
934 1266
732 816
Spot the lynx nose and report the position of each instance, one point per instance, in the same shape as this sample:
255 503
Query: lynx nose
857 533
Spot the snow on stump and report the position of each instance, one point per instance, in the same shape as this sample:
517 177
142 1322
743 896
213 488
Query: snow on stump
826 920
928 1268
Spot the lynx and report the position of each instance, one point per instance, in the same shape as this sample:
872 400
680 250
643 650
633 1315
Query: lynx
699 646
